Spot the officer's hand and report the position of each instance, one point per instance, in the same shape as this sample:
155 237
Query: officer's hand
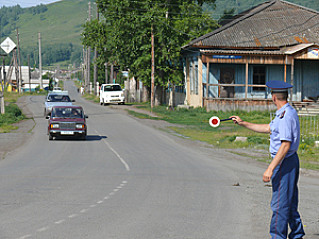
267 175
236 119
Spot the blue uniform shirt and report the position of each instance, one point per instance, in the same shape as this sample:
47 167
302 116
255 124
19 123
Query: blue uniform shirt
286 127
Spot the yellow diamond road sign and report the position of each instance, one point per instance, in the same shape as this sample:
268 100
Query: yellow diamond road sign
8 45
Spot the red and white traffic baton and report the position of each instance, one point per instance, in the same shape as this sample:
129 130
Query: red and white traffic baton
215 121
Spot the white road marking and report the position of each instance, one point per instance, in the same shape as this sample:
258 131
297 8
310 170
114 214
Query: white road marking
83 210
127 167
59 222
75 215
43 229
24 237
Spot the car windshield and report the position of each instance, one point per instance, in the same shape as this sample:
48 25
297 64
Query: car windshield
65 112
112 88
59 98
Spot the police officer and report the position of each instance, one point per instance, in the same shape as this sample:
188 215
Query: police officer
283 170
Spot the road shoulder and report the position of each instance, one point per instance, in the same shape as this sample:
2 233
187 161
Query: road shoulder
16 138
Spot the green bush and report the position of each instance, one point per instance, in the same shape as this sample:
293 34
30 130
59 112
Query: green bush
309 141
12 115
229 138
257 140
305 148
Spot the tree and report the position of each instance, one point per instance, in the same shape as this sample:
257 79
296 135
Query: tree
227 16
124 37
2 84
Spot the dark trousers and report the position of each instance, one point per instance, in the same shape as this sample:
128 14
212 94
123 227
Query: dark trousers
284 202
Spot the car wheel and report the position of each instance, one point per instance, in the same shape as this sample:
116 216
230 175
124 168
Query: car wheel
101 102
50 137
83 136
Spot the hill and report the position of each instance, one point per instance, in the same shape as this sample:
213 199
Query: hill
60 25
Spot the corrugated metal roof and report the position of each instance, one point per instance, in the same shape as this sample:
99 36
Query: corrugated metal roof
241 52
272 24
294 49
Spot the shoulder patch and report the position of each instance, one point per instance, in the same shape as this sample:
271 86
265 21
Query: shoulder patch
282 115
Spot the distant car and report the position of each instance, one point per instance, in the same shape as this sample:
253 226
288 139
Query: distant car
67 121
57 89
56 98
111 93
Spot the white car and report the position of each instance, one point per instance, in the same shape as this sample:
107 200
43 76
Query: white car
111 93
56 98
57 89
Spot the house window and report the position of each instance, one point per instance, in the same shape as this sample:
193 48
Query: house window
193 77
259 77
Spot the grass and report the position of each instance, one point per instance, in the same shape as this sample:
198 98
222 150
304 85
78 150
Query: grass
141 115
91 97
11 97
12 112
12 115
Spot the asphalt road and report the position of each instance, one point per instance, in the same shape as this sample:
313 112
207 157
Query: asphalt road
131 181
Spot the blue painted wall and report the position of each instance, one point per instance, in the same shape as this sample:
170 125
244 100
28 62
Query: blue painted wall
306 79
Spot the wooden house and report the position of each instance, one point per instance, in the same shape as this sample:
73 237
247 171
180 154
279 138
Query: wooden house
228 68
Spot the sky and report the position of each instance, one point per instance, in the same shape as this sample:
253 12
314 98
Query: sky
25 3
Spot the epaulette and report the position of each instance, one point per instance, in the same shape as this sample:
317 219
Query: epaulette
282 115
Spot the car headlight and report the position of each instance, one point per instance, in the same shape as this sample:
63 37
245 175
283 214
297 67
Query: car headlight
54 126
122 94
79 126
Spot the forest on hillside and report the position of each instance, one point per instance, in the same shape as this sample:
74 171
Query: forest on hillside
10 15
242 5
53 53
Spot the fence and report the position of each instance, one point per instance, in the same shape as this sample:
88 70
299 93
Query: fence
309 126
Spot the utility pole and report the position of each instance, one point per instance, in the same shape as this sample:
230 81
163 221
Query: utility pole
29 73
153 69
112 73
88 58
106 74
2 84
16 67
40 60
95 59
84 68
19 63
4 73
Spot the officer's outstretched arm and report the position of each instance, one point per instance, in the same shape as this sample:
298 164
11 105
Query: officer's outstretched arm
259 128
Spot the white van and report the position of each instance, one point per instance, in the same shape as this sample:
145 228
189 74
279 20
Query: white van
111 93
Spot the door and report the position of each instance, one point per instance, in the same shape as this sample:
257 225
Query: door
227 76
